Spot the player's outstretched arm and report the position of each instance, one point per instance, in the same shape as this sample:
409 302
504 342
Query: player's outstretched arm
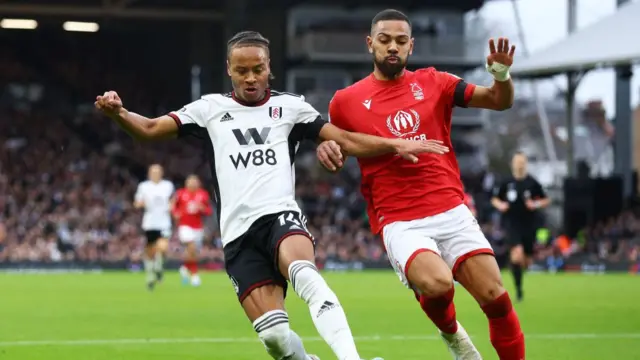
500 95
138 126
362 145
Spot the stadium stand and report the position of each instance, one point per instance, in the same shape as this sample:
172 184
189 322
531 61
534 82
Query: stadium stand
66 194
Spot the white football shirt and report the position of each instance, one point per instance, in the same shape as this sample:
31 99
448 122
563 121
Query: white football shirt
253 148
157 204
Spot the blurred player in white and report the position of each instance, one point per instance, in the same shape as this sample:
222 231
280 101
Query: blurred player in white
190 205
154 196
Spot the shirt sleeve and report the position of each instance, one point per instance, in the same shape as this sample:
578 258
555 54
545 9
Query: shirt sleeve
538 191
308 122
194 114
336 114
457 91
139 193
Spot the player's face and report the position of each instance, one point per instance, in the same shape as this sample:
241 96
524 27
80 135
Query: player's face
192 183
519 165
248 67
155 173
391 44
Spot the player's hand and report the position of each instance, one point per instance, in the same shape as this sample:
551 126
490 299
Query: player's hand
531 204
109 103
330 155
502 54
502 206
408 149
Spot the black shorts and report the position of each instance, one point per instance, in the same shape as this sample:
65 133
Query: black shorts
251 260
153 236
525 238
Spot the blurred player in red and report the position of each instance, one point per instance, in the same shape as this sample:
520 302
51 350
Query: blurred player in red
430 236
190 205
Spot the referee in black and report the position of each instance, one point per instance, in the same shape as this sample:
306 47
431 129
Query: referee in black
518 198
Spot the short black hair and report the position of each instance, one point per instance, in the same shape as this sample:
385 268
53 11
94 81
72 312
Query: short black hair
390 14
247 38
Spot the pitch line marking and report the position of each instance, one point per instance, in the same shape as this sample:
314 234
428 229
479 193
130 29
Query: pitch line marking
141 341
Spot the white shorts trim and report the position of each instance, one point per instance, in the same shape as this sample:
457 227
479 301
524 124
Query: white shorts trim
454 235
188 234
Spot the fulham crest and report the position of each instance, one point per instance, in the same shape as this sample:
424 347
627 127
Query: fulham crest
275 112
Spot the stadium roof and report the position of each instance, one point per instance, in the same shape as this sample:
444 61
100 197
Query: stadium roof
609 42
207 10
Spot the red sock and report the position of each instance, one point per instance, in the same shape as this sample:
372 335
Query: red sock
441 311
192 266
504 329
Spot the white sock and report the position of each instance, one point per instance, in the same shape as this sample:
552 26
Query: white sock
278 339
159 262
149 270
326 311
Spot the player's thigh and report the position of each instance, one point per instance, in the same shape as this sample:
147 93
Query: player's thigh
516 247
162 244
415 257
259 287
151 239
289 241
190 238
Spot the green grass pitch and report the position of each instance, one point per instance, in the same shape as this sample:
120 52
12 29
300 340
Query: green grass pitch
112 316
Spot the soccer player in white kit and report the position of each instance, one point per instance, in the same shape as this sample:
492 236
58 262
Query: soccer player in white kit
154 196
254 134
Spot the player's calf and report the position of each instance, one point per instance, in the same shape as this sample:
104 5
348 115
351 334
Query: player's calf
158 264
431 279
518 265
296 257
149 266
480 275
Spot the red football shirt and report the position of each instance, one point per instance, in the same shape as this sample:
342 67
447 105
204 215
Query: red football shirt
191 206
416 106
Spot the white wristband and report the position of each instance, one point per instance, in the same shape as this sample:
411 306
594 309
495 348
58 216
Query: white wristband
500 72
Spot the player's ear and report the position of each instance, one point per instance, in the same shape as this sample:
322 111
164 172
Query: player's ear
228 68
370 44
411 46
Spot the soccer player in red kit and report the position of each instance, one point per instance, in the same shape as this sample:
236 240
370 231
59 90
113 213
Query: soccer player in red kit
190 205
430 236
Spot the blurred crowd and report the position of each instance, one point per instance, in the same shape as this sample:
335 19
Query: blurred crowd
68 175
61 199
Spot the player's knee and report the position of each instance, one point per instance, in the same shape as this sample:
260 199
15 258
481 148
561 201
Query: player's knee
434 285
491 290
274 332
